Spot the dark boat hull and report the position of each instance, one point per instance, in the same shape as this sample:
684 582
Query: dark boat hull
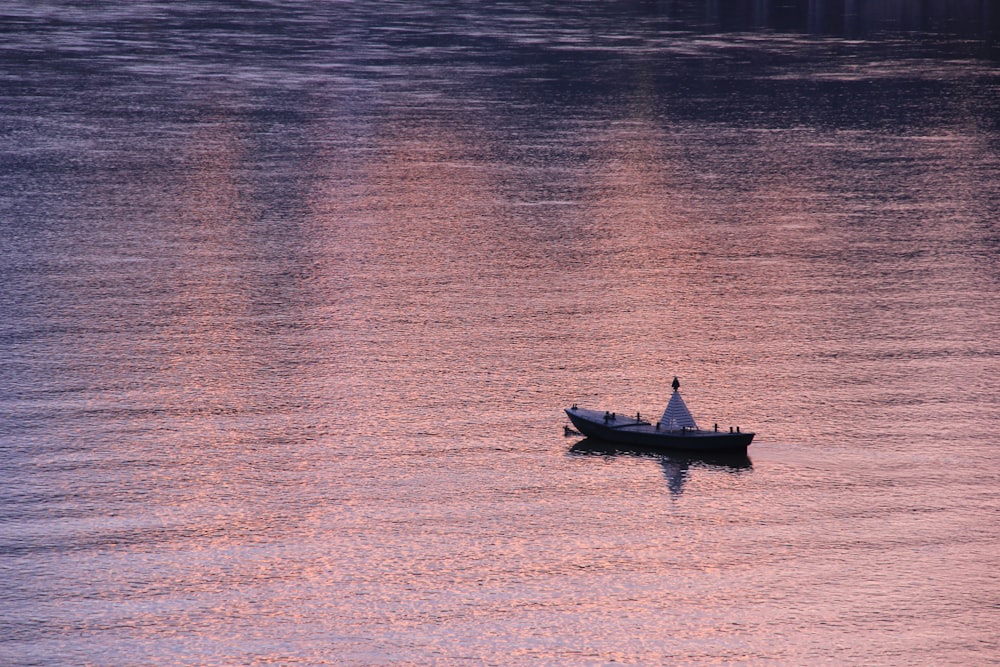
628 431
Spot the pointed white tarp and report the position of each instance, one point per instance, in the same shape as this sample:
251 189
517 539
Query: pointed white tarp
677 414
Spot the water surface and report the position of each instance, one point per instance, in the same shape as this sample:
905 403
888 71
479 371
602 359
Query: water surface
294 295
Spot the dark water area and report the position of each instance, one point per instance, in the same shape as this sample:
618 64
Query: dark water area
293 295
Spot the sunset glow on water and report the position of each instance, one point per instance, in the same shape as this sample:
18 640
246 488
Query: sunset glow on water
295 295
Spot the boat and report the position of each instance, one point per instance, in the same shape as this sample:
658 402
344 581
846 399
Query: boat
676 429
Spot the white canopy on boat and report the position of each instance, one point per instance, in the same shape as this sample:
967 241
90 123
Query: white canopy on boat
677 414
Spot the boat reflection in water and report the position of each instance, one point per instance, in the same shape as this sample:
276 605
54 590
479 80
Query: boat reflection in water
675 464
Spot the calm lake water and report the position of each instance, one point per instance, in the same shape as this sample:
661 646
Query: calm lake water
293 295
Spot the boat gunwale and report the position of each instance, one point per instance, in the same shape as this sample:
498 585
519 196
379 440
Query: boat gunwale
636 431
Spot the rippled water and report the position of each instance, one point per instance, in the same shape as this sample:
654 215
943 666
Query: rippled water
293 295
